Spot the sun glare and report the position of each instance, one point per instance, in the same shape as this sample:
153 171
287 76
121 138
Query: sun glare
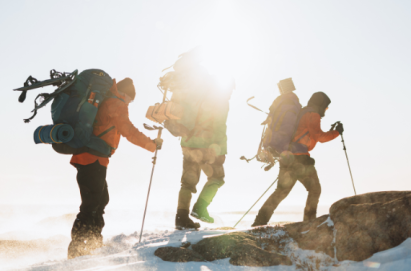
226 44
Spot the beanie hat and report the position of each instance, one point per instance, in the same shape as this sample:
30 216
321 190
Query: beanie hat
126 86
319 101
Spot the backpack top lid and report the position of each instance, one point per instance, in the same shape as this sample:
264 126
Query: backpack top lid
286 85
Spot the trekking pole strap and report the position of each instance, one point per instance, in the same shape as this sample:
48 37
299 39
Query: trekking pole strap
255 202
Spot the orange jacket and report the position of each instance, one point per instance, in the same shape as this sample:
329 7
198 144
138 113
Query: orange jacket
112 118
311 122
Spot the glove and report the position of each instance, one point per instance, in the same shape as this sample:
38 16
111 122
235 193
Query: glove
339 128
158 142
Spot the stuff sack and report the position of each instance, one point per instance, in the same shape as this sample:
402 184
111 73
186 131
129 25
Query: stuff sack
75 103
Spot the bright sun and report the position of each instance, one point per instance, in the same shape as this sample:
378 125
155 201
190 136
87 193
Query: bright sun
227 45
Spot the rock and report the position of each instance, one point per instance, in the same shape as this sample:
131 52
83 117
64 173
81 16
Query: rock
255 256
361 225
241 247
221 247
178 254
370 223
313 235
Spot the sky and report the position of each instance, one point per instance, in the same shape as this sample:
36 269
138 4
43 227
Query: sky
357 52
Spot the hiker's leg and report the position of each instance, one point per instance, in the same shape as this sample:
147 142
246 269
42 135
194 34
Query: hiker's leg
286 181
313 186
92 183
99 222
215 176
189 179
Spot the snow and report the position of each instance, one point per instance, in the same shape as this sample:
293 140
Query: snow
329 222
122 251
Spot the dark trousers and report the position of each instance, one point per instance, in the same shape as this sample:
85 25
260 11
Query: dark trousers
194 161
91 180
86 231
300 169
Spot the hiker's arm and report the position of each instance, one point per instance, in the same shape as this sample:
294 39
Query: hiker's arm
316 133
127 129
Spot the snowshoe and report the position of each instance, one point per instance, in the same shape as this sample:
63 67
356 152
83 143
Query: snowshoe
62 80
200 212
183 222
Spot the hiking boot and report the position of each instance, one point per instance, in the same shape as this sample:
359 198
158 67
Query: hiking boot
200 211
76 249
85 238
183 222
261 219
258 223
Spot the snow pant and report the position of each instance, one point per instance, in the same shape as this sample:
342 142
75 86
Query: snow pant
301 169
87 228
195 161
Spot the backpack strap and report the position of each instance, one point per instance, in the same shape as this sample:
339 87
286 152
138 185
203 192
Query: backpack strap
106 131
300 115
301 137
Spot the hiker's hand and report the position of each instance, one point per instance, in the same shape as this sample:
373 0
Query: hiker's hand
158 142
339 128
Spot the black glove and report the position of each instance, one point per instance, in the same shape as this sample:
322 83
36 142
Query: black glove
339 128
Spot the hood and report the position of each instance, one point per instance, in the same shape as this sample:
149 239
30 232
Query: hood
319 101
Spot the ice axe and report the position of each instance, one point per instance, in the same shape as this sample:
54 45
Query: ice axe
256 108
345 150
151 128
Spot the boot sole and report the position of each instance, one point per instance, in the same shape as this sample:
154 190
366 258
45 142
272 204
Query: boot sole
204 219
186 229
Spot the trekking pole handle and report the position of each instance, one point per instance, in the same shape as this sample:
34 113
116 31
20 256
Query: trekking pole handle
335 124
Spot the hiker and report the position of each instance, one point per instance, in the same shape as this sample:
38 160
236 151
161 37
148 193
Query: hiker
199 109
204 150
296 165
112 120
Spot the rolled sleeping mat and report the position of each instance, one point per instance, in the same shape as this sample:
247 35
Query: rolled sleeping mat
58 133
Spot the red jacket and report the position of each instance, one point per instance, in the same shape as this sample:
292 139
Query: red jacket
113 115
311 123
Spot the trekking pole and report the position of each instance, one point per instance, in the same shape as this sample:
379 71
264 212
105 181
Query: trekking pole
255 202
160 129
348 162
346 156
